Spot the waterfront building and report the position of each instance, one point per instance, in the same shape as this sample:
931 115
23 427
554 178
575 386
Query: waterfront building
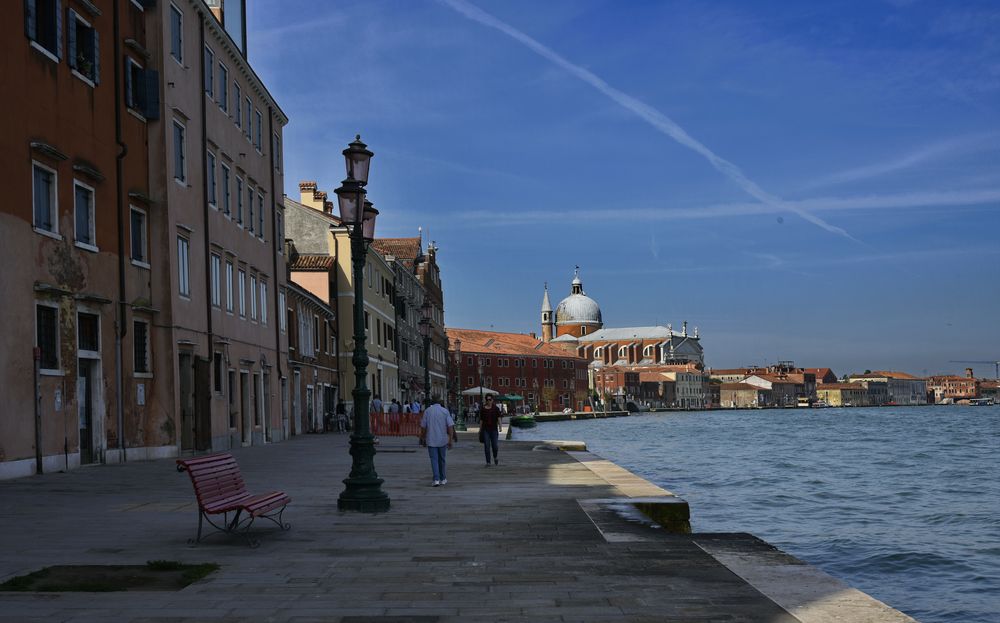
313 230
901 388
656 390
823 375
218 349
989 389
312 352
690 383
785 389
731 375
409 300
75 251
842 394
744 395
950 388
548 377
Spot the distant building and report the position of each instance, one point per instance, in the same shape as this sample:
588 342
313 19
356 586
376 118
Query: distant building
901 388
514 363
842 394
823 375
312 359
785 391
743 395
952 388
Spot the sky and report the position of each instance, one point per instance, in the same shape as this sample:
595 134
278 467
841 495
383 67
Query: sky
806 181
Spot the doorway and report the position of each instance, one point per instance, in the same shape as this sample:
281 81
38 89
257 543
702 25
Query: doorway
245 422
310 409
185 369
85 408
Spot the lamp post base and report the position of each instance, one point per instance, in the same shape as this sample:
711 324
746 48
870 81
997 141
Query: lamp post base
460 424
363 488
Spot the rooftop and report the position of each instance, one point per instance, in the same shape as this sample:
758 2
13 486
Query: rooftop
499 343
309 262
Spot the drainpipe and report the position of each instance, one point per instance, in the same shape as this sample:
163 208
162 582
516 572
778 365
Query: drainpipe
205 211
120 331
278 244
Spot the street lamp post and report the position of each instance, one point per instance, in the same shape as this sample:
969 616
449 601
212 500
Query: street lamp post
425 332
362 488
479 366
460 424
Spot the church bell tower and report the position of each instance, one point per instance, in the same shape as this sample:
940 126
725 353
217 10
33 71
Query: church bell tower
548 324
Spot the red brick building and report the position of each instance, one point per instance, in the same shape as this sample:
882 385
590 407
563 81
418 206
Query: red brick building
950 388
514 363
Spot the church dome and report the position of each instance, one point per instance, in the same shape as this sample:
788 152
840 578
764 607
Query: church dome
578 308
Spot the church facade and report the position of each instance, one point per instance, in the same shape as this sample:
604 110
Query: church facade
576 325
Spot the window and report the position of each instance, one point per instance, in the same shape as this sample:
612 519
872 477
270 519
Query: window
216 280
209 72
140 246
260 215
44 198
253 297
282 318
229 286
88 333
176 34
83 56
237 109
83 210
179 163
223 98
210 178
249 112
135 83
280 233
263 303
250 207
47 335
316 336
183 266
140 347
226 196
257 140
43 25
239 200
217 373
243 293
276 151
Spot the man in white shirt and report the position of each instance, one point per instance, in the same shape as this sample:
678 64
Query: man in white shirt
437 428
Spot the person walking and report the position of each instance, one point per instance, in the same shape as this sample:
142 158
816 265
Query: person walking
341 416
437 429
489 424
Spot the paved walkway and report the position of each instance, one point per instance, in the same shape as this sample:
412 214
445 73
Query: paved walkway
507 543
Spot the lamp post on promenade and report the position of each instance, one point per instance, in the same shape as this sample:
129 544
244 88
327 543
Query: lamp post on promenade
460 425
362 488
425 332
479 366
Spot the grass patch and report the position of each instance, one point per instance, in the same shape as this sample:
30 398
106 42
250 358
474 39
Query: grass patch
155 575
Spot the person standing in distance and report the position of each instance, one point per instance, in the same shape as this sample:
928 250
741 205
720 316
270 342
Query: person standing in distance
436 431
489 423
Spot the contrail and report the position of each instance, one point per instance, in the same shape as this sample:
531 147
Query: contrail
647 113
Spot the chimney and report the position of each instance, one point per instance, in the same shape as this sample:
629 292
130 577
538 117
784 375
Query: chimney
684 330
311 197
532 334
968 373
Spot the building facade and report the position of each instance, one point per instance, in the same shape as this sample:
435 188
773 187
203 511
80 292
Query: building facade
71 276
842 394
312 360
901 388
401 254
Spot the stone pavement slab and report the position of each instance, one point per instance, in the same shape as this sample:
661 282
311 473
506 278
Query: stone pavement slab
507 543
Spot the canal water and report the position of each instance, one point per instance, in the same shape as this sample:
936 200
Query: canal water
902 503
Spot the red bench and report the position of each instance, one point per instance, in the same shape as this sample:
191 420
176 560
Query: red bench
219 487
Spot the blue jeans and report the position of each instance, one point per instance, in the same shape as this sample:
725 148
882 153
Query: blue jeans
438 461
491 439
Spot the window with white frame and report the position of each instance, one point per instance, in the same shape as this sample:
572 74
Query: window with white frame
260 215
176 34
210 179
138 234
282 318
180 164
237 105
243 293
253 297
223 98
250 219
183 266
88 334
83 48
47 335
226 193
209 72
229 286
257 137
43 25
263 302
85 233
44 198
248 107
216 268
239 200
140 347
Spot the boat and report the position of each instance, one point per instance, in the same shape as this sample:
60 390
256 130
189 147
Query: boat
820 404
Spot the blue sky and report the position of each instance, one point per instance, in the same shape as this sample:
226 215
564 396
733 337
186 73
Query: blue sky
815 181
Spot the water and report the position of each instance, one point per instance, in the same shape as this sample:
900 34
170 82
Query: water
902 503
